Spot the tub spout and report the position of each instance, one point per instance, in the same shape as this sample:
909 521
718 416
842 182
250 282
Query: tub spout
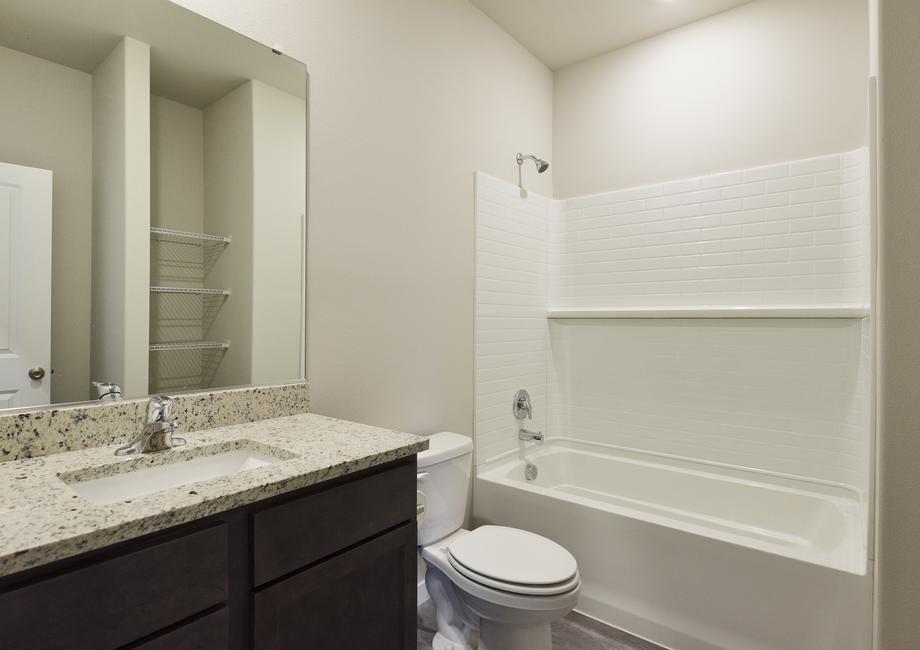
530 436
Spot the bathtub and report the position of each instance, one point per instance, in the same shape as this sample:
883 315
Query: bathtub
692 555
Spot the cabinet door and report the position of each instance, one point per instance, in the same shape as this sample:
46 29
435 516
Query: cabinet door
121 599
210 632
363 598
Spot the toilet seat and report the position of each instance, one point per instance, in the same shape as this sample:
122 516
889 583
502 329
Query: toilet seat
514 561
515 588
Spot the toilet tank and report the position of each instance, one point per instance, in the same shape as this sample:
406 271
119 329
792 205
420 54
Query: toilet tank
444 479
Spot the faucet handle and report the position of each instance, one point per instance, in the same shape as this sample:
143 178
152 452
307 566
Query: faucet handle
160 408
521 406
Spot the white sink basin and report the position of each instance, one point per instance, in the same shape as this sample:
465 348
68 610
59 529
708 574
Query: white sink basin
139 482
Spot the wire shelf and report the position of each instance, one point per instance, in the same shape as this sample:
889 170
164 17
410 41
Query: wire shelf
191 290
183 237
190 345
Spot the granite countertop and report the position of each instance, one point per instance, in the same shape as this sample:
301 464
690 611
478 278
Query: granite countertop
42 519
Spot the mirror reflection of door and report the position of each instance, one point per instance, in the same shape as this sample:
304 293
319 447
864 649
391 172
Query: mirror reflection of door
25 286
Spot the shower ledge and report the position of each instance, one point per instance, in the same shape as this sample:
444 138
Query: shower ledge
716 311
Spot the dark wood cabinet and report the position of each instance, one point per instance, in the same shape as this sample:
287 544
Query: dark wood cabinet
330 567
363 598
203 633
296 533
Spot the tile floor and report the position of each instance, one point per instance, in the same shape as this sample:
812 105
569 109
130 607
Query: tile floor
574 632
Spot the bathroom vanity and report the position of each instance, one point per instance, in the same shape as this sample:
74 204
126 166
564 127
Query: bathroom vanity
315 550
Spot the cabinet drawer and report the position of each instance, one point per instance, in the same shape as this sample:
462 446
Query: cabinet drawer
117 601
292 535
206 633
363 598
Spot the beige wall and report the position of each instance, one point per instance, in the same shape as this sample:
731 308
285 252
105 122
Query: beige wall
176 165
770 81
49 124
228 212
407 98
898 509
279 136
121 217
177 202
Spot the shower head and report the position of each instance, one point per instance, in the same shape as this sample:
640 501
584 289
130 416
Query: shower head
542 165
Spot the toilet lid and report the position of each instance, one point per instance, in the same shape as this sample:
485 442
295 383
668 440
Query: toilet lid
515 588
510 556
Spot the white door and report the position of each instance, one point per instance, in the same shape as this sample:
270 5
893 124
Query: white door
25 286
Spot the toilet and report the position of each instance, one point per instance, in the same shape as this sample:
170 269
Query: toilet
494 587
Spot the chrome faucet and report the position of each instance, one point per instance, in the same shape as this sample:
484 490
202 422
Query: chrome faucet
530 436
521 405
157 434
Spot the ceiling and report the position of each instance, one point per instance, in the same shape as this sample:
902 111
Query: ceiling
192 60
560 32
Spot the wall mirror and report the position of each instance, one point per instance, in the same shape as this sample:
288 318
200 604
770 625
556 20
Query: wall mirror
152 203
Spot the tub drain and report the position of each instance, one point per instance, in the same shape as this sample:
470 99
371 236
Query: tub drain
530 471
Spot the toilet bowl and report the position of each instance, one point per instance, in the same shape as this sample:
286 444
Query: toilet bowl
494 587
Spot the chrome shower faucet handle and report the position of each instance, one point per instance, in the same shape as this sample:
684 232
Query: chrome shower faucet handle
521 405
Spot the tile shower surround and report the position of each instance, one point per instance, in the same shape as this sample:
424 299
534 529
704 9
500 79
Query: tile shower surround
789 234
40 432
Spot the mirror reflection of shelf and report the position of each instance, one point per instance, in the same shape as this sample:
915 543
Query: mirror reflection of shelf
183 237
191 290
184 365
182 309
190 345
182 248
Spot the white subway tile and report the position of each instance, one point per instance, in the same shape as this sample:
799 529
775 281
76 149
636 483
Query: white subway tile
609 198
744 216
720 207
766 173
702 196
791 183
814 196
765 255
721 180
814 252
766 228
815 165
842 206
666 201
790 212
764 201
837 177
790 241
641 193
741 191
812 224
680 212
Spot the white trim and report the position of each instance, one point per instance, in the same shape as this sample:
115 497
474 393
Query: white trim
722 311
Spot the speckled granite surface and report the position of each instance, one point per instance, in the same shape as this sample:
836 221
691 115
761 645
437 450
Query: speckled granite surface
40 432
42 519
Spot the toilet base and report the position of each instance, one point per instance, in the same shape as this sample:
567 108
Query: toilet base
497 636
441 642
472 616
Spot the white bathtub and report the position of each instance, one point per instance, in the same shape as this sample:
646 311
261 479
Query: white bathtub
693 555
